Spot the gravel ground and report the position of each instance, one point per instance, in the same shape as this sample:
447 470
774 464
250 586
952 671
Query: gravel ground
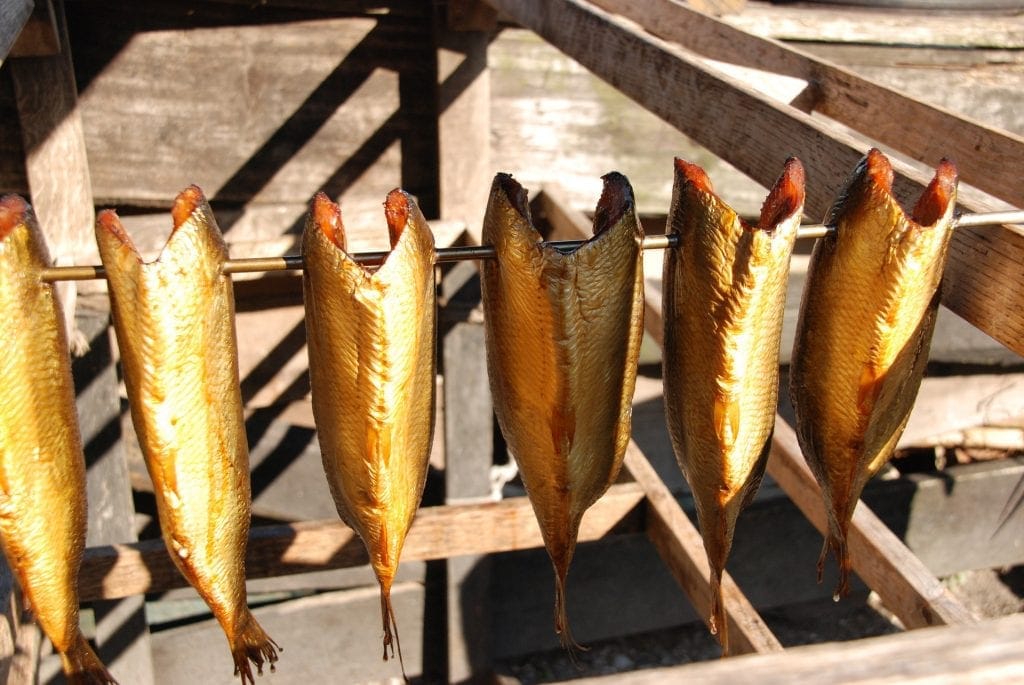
986 593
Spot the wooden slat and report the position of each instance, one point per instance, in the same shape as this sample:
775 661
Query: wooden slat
756 134
13 16
681 548
906 586
925 132
113 571
987 653
40 37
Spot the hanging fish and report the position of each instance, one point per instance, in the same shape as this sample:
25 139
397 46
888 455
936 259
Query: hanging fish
866 322
371 367
562 333
175 324
42 467
724 298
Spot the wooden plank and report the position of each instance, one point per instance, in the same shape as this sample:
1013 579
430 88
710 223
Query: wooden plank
680 546
113 571
906 586
756 134
925 132
468 457
987 653
55 164
464 123
14 14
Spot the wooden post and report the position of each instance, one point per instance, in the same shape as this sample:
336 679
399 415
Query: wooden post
464 120
469 446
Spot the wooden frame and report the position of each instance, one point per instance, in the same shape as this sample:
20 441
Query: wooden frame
754 134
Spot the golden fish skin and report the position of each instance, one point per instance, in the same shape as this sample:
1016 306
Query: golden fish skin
724 299
866 322
42 467
175 323
371 338
563 333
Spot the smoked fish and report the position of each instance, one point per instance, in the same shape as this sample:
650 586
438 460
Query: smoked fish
724 298
562 331
866 322
372 359
42 466
175 323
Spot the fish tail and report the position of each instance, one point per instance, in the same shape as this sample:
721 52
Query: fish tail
836 542
562 617
717 621
251 644
391 641
83 667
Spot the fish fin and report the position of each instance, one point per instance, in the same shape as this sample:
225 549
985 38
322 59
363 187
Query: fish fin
837 544
565 637
869 387
718 622
251 643
83 667
391 640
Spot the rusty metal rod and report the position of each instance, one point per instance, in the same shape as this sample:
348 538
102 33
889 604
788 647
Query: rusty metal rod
458 254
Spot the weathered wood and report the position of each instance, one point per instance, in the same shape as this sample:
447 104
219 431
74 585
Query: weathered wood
464 124
314 104
756 134
20 636
679 544
113 571
906 586
469 455
925 132
471 15
14 14
987 653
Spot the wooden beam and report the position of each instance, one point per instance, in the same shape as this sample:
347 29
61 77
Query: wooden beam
682 549
756 134
113 571
906 586
14 14
925 132
985 653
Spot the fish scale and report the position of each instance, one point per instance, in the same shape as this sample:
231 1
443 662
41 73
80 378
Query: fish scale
865 326
562 332
371 366
42 466
174 320
724 297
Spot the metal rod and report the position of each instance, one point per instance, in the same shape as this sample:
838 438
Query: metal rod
458 254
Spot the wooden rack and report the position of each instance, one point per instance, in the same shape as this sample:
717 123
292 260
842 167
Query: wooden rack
654 53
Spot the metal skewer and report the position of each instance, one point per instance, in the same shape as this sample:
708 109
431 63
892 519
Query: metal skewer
457 254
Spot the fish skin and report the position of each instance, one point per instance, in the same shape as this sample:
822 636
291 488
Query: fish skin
865 326
42 466
563 336
175 325
372 360
724 291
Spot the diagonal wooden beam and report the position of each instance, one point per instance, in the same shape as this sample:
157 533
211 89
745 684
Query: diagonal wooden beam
756 134
925 132
682 549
